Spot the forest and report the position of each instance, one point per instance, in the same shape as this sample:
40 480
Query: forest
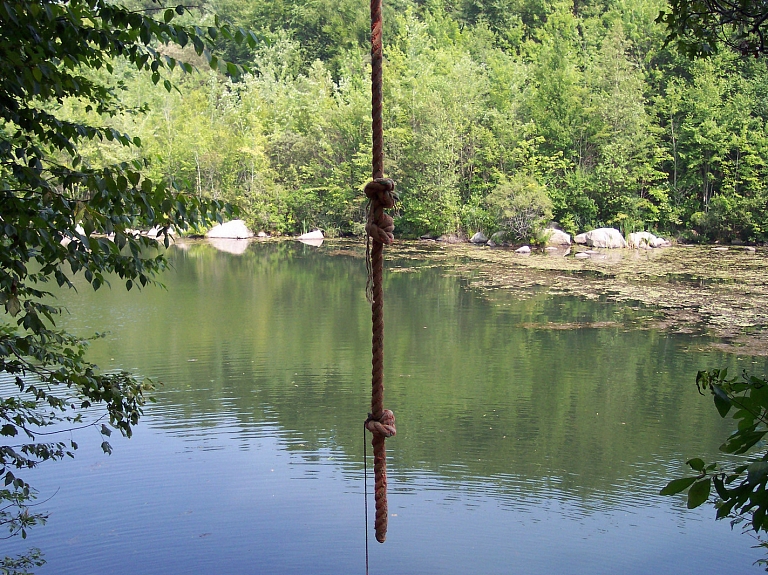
573 111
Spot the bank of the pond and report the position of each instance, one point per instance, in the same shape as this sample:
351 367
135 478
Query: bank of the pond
691 289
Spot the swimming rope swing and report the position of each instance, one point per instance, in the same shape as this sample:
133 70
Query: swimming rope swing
379 229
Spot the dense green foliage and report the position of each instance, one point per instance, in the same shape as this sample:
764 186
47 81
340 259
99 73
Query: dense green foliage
741 486
62 216
582 99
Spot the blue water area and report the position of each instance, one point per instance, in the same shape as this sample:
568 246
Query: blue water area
526 444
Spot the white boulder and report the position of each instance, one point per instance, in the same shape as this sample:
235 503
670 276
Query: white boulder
558 238
605 238
235 230
580 238
638 240
523 250
313 235
646 240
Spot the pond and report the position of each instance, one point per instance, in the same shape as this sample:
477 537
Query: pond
534 432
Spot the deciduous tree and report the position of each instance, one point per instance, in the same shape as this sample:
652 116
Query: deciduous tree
61 217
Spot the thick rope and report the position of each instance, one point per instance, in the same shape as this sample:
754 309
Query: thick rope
379 228
380 422
376 90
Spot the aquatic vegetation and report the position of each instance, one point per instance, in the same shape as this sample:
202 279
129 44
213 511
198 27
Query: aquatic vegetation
692 289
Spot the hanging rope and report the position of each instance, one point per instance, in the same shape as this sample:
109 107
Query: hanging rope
381 195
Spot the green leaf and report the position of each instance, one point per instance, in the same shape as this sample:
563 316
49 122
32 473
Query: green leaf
756 472
168 16
677 485
699 493
722 401
696 464
758 518
722 491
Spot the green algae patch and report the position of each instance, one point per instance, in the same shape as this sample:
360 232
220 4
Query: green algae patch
722 294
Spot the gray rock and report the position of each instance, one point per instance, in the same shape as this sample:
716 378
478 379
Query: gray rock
478 238
660 243
262 235
720 249
581 238
749 249
523 250
557 238
605 238
581 255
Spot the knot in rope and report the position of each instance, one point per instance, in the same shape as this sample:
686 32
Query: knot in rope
381 195
384 426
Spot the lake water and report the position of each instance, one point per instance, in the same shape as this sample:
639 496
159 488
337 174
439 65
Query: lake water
521 448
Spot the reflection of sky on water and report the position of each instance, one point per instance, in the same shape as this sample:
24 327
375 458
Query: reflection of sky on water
202 501
519 450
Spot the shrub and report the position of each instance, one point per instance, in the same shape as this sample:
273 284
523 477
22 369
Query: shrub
521 207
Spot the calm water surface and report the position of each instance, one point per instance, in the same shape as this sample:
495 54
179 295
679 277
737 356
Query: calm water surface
521 448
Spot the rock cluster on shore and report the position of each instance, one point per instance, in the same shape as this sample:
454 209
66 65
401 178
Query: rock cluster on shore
609 238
